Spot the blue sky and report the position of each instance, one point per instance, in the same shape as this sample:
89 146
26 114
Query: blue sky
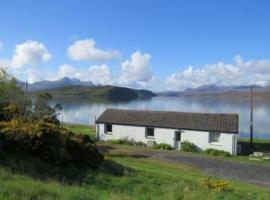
157 44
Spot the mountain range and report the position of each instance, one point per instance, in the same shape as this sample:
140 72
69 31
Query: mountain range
71 87
219 91
63 82
66 85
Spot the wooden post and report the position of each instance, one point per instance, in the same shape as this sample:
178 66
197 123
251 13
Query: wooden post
251 116
25 98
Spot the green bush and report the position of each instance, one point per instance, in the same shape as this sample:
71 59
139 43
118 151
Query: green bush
125 141
49 142
188 147
114 141
215 152
163 146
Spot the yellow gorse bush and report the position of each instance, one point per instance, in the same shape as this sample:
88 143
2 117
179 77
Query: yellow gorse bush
219 185
49 142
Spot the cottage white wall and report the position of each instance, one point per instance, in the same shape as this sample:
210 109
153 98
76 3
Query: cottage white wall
164 135
201 139
136 133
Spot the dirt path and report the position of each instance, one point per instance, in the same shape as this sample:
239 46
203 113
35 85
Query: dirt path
246 172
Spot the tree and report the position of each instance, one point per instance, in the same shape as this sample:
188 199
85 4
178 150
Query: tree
41 105
10 95
43 109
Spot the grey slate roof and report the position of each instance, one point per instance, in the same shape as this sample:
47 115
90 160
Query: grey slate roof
222 122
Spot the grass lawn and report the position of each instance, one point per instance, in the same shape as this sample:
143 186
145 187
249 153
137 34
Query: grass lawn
78 128
23 177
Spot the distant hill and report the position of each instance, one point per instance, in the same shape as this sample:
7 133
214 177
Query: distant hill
64 82
103 92
220 91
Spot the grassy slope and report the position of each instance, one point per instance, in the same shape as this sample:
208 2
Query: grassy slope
28 178
150 179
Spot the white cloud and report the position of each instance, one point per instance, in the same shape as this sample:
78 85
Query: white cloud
29 53
86 50
137 70
98 74
66 70
33 75
238 73
26 56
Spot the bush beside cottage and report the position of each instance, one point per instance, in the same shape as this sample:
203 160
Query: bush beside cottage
189 147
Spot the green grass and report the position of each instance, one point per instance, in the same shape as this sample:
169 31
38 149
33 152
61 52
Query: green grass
23 177
78 128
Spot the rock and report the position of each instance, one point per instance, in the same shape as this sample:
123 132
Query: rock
258 154
266 158
255 158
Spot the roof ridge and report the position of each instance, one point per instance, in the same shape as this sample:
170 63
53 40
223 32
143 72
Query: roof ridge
140 110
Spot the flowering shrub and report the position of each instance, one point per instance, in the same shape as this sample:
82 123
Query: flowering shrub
49 142
219 185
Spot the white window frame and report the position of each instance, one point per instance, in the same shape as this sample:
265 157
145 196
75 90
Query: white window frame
106 131
214 137
147 136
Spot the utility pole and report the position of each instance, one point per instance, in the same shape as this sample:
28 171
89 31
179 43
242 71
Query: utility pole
251 116
25 97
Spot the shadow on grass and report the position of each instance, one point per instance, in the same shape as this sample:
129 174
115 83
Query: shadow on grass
122 155
30 166
105 148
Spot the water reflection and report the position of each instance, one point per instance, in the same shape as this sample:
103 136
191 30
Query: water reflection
84 111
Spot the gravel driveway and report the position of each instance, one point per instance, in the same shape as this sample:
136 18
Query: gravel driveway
252 173
246 172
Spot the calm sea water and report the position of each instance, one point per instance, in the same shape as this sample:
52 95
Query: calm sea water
84 112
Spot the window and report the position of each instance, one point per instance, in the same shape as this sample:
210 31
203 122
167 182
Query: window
150 132
177 136
214 137
108 128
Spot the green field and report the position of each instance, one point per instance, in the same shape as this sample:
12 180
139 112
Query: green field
121 177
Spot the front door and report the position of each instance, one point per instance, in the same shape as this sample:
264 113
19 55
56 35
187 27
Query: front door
177 139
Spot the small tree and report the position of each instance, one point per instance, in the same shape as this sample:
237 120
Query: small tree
43 109
10 94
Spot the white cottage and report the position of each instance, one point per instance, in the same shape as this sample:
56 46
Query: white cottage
205 130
